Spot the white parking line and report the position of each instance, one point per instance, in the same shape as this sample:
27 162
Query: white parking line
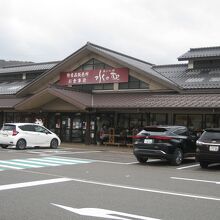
112 162
33 183
195 180
64 179
186 167
148 190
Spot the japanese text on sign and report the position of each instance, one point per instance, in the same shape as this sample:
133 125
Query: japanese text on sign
94 76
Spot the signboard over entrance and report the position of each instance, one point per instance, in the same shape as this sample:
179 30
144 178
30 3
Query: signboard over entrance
99 76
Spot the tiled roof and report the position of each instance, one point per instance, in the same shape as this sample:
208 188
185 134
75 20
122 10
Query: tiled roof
129 100
9 88
201 53
191 78
80 97
9 102
144 100
4 63
134 62
28 67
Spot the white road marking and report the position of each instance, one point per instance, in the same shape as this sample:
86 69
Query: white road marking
186 167
103 213
121 163
148 190
51 152
33 183
195 180
112 162
11 167
18 163
69 159
64 179
40 162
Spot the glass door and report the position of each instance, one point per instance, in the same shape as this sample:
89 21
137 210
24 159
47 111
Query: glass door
77 128
65 128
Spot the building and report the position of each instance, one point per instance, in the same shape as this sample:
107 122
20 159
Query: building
96 87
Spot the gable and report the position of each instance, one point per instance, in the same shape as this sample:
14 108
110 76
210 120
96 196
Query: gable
111 58
95 63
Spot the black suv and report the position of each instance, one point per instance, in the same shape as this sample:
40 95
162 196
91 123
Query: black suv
208 147
165 142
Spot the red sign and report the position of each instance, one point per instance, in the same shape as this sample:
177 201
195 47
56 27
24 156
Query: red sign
114 75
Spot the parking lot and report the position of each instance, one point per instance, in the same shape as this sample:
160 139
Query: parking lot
87 182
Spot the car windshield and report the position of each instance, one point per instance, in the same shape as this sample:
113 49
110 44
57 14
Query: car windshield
210 135
8 127
154 131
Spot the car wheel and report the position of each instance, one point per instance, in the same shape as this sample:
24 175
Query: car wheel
141 159
204 164
177 157
4 146
21 144
54 143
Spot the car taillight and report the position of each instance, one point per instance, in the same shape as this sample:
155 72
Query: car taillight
162 138
14 132
138 137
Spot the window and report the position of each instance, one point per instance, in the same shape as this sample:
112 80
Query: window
90 87
32 75
133 83
181 120
27 128
182 131
192 121
94 64
40 129
8 127
210 121
207 64
158 119
10 77
195 122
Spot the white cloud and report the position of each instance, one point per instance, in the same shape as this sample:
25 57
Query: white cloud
157 31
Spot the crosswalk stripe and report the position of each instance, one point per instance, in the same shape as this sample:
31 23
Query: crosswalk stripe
55 161
68 160
16 164
37 163
19 164
42 161
11 167
29 164
61 162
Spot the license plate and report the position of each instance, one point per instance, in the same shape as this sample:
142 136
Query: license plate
213 148
148 141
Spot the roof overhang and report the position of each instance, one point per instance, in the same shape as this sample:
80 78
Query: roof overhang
9 103
48 95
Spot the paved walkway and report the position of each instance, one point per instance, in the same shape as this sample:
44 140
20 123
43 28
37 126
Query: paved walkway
96 147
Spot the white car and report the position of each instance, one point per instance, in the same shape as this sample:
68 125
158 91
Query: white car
24 135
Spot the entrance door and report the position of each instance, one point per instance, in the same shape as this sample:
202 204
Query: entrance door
65 128
77 132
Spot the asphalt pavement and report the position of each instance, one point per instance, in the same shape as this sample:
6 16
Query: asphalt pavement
92 182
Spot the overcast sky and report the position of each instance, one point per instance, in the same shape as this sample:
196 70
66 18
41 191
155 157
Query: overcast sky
157 31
